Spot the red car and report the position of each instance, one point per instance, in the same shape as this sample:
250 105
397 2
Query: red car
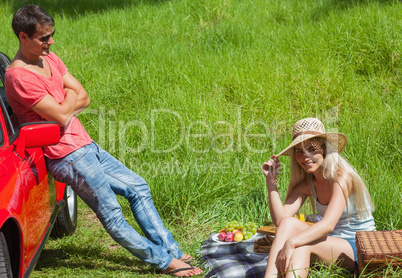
32 205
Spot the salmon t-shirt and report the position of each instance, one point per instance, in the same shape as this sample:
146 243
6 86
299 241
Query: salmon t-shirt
25 88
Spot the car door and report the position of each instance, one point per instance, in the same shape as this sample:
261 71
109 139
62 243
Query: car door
32 181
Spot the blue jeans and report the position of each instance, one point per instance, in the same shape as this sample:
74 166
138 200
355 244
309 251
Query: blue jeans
96 177
353 245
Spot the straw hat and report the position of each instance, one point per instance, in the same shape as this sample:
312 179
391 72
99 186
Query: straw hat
310 128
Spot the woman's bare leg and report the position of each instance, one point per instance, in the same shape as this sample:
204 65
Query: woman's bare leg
287 228
328 249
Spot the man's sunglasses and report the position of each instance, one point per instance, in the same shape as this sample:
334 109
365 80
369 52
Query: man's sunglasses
47 38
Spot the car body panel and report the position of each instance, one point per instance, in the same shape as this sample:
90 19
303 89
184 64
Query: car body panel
26 197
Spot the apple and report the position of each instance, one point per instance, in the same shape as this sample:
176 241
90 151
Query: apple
222 236
229 237
238 236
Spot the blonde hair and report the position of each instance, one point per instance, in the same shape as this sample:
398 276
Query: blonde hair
335 168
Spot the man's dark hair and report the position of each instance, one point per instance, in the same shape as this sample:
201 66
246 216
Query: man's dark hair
26 19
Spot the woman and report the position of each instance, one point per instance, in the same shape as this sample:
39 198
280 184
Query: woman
341 198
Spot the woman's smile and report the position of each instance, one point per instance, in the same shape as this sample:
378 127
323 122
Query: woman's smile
309 164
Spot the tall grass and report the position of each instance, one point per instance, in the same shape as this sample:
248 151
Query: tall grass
196 95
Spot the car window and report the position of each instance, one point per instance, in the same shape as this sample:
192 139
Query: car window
2 109
9 117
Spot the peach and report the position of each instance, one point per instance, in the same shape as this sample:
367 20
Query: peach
238 236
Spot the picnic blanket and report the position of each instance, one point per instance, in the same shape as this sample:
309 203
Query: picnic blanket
232 260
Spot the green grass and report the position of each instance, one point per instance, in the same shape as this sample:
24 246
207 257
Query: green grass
196 95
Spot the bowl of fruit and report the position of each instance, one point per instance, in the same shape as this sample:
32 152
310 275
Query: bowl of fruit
236 231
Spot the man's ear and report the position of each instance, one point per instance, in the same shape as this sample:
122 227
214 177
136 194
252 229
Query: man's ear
23 36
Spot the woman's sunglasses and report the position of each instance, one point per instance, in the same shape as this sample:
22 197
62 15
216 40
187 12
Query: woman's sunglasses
47 38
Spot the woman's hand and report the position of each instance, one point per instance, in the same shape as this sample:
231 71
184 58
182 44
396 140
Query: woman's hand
284 257
271 168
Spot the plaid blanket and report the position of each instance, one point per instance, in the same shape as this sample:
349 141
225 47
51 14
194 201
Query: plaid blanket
232 260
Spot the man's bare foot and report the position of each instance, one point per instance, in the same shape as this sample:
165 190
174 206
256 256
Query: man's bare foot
181 269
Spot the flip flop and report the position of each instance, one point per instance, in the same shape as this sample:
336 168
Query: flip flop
189 261
179 269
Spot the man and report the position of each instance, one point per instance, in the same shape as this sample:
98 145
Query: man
39 87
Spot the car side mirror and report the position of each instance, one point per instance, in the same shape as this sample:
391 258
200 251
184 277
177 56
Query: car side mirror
35 135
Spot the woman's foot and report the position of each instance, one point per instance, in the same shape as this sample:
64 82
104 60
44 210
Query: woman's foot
179 268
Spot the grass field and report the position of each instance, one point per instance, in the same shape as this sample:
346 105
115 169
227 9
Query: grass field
196 95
